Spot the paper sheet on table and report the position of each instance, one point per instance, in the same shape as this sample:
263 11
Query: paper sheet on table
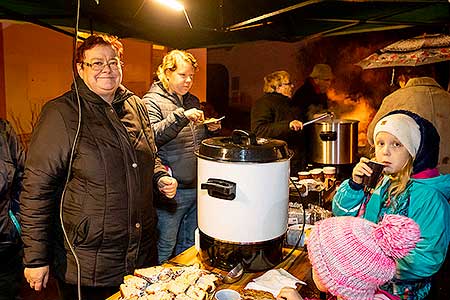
273 281
213 120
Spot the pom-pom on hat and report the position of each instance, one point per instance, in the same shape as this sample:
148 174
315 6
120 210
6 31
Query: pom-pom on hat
321 71
404 128
352 256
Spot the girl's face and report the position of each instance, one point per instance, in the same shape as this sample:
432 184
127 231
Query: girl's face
319 284
390 152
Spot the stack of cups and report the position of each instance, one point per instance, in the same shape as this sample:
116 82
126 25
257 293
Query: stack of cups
329 174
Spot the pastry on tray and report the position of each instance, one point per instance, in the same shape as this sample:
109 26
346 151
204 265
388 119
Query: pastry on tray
169 283
250 294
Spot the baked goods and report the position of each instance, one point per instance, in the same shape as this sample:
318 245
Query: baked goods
168 283
250 294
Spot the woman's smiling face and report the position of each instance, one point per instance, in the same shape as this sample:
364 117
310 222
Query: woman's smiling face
106 81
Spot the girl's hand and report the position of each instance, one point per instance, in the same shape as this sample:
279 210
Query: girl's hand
360 170
288 293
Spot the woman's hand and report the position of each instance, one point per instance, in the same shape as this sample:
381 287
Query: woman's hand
168 186
214 126
360 170
295 125
288 293
195 115
37 277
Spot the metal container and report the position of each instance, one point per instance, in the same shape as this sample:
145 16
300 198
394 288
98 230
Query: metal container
243 195
334 142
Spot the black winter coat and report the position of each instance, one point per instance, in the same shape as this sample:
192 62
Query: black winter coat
108 210
12 157
175 136
270 118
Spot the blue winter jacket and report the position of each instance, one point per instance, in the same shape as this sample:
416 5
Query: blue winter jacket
425 201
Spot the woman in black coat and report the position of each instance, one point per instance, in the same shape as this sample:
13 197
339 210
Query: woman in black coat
273 116
96 208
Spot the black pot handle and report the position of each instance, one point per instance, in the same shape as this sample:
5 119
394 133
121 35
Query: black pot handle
238 134
328 136
220 188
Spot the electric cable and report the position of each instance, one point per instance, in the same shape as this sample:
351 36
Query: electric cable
72 152
303 227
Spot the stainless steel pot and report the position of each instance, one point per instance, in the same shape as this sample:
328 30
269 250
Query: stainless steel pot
334 142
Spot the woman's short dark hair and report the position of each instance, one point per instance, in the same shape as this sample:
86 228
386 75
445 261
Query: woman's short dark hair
95 40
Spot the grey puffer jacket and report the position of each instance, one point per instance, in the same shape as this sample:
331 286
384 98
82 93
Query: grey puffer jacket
108 210
12 157
176 137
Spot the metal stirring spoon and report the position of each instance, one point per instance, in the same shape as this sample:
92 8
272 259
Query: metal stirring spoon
235 274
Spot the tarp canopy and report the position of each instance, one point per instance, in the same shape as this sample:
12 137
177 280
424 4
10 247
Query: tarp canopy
218 23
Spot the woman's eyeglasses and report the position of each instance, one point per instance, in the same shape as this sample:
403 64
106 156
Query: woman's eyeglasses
114 65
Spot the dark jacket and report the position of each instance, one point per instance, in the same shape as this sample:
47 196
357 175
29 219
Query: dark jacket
12 158
309 101
270 118
175 136
271 115
108 209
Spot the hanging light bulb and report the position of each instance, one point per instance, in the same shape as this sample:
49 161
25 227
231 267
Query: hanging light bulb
176 5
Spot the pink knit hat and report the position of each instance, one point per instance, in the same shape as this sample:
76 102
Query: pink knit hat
352 256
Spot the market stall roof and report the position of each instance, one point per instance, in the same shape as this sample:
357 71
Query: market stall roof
226 22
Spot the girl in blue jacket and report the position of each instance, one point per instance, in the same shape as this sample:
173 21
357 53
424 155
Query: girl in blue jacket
408 146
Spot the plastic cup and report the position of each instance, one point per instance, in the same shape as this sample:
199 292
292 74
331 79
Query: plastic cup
227 294
377 171
317 174
329 172
329 176
304 175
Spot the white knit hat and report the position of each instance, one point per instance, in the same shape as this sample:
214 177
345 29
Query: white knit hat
404 128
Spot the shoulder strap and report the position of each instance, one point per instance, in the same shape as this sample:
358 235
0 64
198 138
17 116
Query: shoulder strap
15 221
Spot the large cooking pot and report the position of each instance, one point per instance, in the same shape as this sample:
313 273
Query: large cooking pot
243 195
334 142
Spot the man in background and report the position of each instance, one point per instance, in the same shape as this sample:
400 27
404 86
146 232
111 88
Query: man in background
424 96
311 97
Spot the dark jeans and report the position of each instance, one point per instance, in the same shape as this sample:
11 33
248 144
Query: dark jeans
70 292
10 272
177 222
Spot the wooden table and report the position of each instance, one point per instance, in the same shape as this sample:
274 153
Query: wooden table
297 264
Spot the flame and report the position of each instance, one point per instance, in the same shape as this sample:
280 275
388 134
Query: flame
355 107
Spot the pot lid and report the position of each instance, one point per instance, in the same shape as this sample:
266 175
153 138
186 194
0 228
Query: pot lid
243 146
